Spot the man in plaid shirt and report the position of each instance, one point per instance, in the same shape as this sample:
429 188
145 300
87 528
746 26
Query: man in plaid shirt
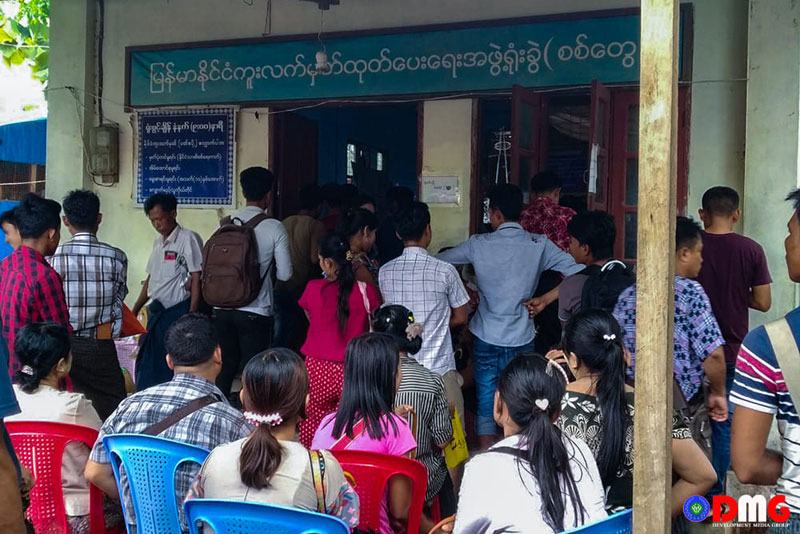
95 284
195 357
433 291
30 290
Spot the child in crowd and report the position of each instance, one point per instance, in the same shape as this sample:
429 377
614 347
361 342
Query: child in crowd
422 390
270 466
535 480
736 278
365 420
338 309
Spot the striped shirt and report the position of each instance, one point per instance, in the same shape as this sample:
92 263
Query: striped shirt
95 277
424 391
759 385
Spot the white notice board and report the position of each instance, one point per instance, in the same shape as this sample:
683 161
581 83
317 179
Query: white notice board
441 190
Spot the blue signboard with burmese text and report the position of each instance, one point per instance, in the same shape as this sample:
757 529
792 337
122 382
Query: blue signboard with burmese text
188 153
483 56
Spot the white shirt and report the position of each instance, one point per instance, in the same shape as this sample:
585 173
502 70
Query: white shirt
273 243
430 288
172 261
52 405
497 489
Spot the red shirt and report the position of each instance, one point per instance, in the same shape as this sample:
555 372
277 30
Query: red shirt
545 217
30 292
325 340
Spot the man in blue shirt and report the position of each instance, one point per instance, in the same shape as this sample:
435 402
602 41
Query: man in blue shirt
508 263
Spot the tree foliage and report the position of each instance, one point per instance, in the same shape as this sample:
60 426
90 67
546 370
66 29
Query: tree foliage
25 35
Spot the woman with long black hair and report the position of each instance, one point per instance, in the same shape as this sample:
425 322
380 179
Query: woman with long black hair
359 227
365 420
338 309
536 480
598 409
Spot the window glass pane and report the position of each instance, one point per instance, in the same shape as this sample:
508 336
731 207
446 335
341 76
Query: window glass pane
351 158
526 126
601 123
633 128
380 161
632 182
630 236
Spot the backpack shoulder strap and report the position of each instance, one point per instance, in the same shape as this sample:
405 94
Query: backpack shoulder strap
255 221
225 221
318 474
787 354
179 414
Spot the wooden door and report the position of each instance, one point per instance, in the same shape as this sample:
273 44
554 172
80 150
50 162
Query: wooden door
599 141
293 159
527 113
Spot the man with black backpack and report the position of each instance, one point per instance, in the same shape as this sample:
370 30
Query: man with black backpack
591 243
237 275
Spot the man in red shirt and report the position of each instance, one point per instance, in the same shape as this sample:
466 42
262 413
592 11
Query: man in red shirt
30 290
543 215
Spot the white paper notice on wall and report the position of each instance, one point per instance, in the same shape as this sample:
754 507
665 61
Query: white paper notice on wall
593 169
440 190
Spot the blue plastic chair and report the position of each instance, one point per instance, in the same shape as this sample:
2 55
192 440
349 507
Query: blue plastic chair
236 517
619 523
150 464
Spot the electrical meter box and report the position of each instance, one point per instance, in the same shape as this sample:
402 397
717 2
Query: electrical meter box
104 152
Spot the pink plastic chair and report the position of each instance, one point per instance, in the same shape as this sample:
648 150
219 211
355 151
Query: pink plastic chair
371 472
40 447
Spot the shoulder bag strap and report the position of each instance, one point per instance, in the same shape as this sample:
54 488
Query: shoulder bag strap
362 287
787 354
180 413
344 442
318 474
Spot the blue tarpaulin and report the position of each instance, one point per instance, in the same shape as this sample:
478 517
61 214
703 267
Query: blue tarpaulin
24 142
5 248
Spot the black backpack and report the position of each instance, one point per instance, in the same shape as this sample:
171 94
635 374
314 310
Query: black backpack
604 284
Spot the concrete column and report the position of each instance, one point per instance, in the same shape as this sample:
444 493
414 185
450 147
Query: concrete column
72 37
773 132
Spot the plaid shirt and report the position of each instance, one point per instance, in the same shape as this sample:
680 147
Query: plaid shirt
429 288
209 427
545 217
697 333
30 292
95 283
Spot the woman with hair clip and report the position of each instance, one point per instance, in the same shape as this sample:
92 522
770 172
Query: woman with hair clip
338 309
359 227
365 420
270 466
598 409
43 350
423 391
536 480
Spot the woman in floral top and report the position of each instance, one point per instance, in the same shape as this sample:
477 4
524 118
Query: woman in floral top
598 409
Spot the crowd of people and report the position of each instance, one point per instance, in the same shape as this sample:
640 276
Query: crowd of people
347 338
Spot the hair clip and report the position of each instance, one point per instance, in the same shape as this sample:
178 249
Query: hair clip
350 256
542 404
609 337
27 370
551 364
255 419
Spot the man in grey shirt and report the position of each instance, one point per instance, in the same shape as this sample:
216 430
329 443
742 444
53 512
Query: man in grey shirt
507 263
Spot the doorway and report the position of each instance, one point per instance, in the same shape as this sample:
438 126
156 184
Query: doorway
589 137
373 147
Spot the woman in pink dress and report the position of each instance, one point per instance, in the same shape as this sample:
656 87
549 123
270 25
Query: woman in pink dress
338 309
365 420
